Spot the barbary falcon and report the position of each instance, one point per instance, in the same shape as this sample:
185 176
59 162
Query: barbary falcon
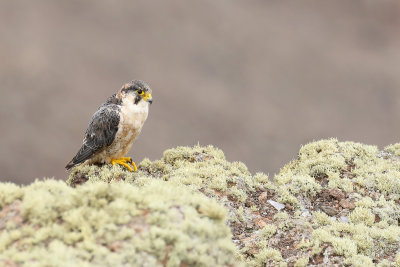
115 126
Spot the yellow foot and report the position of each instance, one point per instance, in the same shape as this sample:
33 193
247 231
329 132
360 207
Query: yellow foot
124 162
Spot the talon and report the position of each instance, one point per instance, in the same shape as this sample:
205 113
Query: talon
126 165
134 166
123 161
126 159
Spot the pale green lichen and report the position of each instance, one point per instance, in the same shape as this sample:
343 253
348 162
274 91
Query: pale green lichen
384 263
262 178
200 168
304 244
302 262
368 178
304 185
394 148
365 202
9 194
359 261
113 225
239 194
334 161
280 216
351 240
266 256
321 218
285 197
254 208
341 245
362 215
387 211
362 228
268 231
240 214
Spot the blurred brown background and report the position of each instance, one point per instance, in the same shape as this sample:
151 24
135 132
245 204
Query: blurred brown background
255 78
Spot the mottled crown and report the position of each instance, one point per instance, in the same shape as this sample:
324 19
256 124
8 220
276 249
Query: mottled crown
135 85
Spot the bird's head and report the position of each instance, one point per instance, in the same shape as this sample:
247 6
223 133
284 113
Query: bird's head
138 90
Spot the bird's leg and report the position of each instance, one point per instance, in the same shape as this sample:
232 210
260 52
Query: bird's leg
129 159
123 161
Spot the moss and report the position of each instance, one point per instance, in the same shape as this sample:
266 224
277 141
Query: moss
114 224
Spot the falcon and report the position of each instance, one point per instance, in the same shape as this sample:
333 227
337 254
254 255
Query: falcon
115 126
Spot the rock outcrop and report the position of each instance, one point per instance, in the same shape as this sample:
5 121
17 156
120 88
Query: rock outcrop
337 203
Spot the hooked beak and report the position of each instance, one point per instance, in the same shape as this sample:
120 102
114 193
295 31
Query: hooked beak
148 98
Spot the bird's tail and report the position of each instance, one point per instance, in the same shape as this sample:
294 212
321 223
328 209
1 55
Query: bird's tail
70 164
84 153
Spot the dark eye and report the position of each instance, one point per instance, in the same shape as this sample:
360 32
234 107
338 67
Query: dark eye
140 92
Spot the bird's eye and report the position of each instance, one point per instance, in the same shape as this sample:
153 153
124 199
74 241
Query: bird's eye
140 92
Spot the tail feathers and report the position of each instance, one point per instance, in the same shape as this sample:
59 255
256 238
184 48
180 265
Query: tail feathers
84 153
70 164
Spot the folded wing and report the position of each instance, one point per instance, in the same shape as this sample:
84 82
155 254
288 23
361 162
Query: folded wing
100 133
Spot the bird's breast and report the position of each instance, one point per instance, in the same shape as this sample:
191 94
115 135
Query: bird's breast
132 118
133 115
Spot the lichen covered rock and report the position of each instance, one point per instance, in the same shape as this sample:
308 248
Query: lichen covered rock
98 224
337 203
199 169
341 207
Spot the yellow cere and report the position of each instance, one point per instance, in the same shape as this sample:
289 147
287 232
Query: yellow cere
147 96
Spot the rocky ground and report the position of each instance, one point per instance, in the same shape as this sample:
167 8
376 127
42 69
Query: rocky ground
336 204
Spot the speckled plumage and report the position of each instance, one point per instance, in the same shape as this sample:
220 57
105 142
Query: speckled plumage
115 125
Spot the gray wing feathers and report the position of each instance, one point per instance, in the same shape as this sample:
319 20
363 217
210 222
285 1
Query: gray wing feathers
100 133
